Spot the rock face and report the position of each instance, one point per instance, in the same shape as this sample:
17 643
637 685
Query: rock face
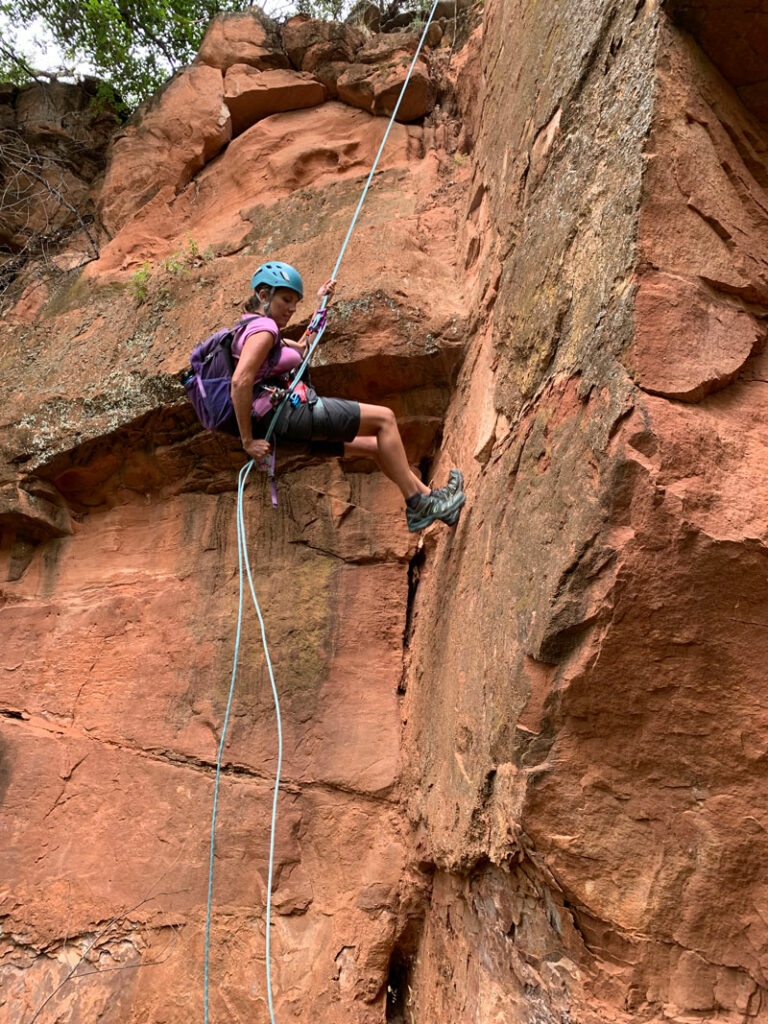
239 78
524 759
614 540
231 199
53 142
336 610
184 127
251 95
364 73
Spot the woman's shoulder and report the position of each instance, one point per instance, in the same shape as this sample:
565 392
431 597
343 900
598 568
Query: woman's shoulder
250 325
255 323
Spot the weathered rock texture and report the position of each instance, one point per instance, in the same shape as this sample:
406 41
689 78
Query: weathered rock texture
168 141
241 39
53 142
585 766
524 760
113 462
252 95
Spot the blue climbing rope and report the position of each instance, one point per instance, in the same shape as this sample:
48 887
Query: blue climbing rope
240 488
241 528
353 222
242 558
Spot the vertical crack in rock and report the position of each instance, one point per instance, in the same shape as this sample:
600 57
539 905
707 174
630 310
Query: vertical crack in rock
415 567
400 1006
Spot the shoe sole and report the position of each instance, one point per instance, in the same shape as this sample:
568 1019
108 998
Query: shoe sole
425 521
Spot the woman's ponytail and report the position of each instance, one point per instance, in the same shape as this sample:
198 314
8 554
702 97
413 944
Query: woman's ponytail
253 303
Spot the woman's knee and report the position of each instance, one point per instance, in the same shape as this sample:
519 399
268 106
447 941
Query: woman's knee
375 417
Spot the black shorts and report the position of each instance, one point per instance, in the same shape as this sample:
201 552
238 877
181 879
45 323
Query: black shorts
324 427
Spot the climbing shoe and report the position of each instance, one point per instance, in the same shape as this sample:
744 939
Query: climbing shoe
455 484
430 507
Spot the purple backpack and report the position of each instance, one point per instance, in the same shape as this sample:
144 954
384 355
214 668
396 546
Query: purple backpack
209 382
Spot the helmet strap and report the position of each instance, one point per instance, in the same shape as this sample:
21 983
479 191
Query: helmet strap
266 304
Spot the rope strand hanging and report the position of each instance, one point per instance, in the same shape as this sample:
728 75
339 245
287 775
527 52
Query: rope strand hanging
243 560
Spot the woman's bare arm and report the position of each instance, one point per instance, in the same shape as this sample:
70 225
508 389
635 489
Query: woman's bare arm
255 351
300 345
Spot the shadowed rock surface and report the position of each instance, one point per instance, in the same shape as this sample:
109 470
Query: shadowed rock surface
525 759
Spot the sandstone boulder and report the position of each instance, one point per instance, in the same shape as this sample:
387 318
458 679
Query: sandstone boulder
165 144
387 47
252 95
374 81
686 345
376 89
240 39
310 43
325 49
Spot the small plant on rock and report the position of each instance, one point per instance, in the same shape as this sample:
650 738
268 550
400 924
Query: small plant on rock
183 258
140 283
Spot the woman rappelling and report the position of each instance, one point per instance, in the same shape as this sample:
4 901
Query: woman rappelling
263 364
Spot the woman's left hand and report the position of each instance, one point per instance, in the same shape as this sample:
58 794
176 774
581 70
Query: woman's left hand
327 289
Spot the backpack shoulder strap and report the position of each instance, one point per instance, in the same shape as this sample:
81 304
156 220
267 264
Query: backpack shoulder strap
226 348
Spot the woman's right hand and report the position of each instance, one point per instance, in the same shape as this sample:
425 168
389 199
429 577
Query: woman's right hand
327 289
257 449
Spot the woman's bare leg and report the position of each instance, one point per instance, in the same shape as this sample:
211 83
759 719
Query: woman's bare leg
379 438
368 446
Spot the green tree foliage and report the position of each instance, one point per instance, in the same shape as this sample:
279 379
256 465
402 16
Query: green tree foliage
341 10
325 10
134 45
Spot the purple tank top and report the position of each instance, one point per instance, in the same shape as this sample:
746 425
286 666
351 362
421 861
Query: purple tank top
281 359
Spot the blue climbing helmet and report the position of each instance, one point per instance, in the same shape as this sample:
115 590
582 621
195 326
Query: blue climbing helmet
278 275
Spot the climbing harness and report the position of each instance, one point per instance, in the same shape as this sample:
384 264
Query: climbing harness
318 323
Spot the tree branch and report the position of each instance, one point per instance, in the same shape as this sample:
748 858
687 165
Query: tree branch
20 62
25 169
89 947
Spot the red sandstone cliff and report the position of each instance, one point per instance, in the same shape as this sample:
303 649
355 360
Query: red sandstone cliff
525 759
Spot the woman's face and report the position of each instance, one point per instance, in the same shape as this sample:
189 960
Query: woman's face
283 305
